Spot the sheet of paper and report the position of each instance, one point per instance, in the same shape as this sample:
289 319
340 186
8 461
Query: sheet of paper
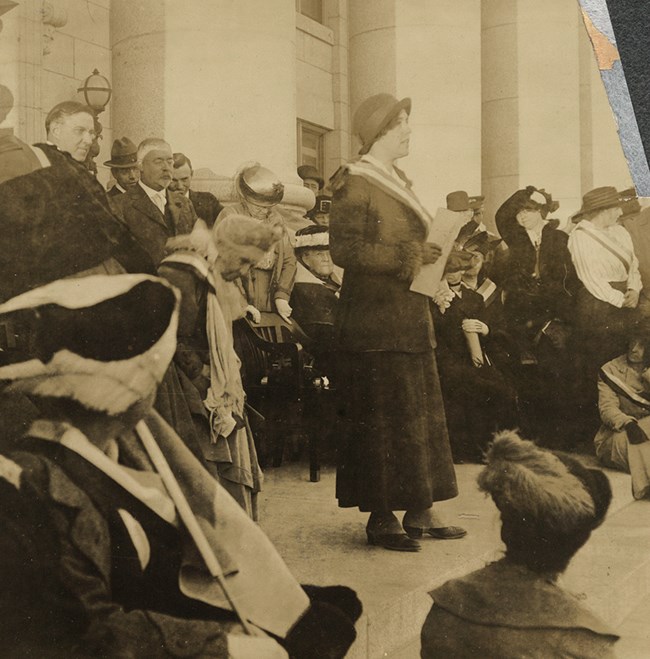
443 232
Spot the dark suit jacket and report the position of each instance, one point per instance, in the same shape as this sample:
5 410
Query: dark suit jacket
377 237
206 205
150 228
114 192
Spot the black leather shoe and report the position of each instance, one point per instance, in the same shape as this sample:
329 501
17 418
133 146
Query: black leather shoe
441 533
393 541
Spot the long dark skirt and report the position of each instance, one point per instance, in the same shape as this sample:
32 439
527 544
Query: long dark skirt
394 450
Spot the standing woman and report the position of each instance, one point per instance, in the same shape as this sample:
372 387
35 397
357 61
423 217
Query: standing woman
395 451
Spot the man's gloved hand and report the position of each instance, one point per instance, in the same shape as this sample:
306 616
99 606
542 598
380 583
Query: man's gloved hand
635 434
284 309
253 313
430 253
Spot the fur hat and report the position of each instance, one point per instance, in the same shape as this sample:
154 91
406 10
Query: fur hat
549 502
102 341
243 237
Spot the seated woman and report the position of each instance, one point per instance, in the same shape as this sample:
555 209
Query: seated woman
478 400
549 503
540 285
623 440
316 292
144 549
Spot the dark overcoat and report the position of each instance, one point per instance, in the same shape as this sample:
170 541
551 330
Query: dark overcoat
377 238
149 226
394 452
206 205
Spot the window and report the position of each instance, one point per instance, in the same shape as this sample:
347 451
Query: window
310 145
311 8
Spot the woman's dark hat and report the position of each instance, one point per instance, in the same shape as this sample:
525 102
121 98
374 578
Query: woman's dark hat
458 261
312 237
309 171
124 154
458 201
373 115
598 199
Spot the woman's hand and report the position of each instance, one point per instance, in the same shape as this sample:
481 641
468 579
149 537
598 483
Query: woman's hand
476 326
284 309
253 313
430 253
631 299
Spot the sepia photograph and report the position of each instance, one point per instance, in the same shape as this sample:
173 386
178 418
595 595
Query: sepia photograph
324 329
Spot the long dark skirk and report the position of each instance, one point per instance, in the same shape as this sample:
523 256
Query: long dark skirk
394 450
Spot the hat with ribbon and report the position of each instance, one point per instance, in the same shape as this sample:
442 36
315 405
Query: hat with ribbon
259 185
124 154
312 237
102 341
309 171
598 199
373 115
458 201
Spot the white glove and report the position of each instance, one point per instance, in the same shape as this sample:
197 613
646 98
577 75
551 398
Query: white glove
253 313
284 308
254 647
473 325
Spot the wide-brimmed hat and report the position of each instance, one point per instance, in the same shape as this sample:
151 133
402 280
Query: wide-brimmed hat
312 237
458 201
598 199
102 341
373 115
259 185
458 260
309 171
124 154
476 202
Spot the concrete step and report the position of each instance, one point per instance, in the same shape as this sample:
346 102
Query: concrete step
323 544
634 631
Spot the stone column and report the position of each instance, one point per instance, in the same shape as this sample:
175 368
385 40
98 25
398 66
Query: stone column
429 51
217 81
531 100
21 51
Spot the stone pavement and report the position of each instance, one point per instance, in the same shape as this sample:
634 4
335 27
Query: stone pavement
323 544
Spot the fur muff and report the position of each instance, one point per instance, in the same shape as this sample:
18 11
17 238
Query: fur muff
409 254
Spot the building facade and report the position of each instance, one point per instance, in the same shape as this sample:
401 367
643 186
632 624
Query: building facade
505 93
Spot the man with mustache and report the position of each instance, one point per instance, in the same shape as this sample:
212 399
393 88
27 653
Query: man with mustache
151 211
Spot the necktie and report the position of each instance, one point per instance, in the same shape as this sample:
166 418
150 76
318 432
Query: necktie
160 199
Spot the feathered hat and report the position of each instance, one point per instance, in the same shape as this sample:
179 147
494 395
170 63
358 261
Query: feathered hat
102 341
312 237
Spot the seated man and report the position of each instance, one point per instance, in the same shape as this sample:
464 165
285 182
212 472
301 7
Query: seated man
315 292
623 440
147 555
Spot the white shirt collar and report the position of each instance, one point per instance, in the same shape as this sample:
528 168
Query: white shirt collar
158 197
120 188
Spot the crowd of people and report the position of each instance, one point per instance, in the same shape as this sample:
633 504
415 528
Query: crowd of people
128 466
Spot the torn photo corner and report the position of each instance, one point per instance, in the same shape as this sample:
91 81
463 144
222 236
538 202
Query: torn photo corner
618 32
